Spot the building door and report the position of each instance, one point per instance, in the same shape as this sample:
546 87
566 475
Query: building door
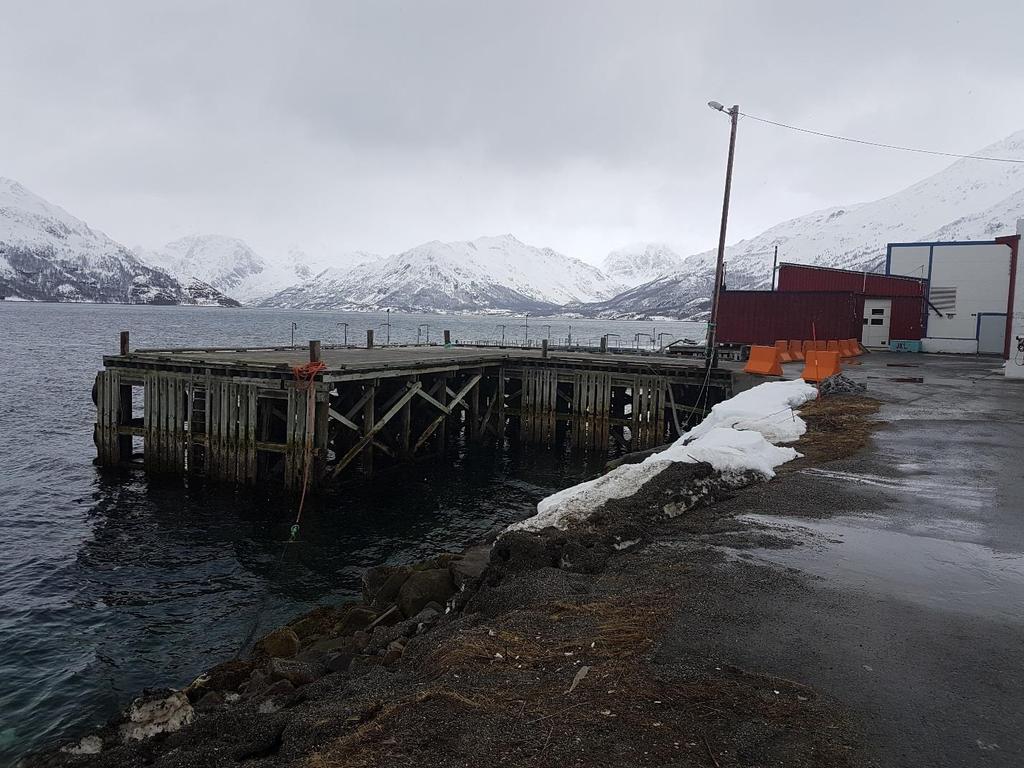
876 322
991 333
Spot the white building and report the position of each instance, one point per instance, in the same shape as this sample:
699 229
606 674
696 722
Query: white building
973 288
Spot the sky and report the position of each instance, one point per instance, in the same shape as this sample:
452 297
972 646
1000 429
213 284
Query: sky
580 125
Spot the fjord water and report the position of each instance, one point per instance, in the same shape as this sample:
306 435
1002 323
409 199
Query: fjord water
111 583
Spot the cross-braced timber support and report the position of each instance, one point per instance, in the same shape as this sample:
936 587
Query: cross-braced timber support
247 416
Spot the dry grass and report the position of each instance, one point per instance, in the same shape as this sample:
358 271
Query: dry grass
837 427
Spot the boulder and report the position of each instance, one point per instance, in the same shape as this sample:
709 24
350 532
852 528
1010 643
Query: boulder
316 622
470 566
346 644
422 587
226 676
282 643
358 618
382 583
295 672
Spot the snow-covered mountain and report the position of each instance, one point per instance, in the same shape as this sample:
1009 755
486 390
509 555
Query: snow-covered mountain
233 267
489 273
46 254
971 199
640 263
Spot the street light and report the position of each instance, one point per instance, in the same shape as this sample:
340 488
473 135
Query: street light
419 328
295 327
734 115
345 325
502 334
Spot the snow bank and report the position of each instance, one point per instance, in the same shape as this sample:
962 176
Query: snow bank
737 437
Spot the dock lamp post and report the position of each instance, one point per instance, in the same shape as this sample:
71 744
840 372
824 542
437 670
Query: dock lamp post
609 336
422 327
345 326
295 327
734 115
502 334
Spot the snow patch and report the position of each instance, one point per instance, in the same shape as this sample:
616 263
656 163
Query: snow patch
737 438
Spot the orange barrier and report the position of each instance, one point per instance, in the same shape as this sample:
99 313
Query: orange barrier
783 349
796 350
833 346
808 347
820 345
856 347
820 365
764 361
846 349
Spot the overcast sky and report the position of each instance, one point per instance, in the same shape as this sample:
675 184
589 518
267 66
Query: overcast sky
582 125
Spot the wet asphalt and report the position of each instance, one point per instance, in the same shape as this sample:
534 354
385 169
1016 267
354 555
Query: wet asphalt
903 597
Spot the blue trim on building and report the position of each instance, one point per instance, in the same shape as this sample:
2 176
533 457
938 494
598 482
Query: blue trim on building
949 242
977 325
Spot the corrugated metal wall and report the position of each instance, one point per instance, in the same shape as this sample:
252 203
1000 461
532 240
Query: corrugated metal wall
764 317
799 277
906 319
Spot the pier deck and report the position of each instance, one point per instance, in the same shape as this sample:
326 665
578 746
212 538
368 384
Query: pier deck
297 416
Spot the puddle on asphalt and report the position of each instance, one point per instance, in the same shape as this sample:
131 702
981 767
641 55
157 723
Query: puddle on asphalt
935 572
918 484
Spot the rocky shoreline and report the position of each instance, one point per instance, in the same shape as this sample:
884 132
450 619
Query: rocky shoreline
483 655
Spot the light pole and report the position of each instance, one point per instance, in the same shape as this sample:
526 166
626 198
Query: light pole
345 326
526 326
663 333
502 334
609 337
295 327
734 115
420 327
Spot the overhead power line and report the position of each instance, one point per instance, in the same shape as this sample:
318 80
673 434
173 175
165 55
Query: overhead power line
883 146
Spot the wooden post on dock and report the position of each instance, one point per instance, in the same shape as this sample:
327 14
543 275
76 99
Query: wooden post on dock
447 338
369 338
544 348
314 351
124 342
604 344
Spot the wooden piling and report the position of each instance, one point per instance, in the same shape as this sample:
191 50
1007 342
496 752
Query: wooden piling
240 416
369 338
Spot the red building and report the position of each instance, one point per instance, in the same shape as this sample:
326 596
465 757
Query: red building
823 303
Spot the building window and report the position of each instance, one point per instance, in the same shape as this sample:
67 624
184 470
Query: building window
876 321
879 311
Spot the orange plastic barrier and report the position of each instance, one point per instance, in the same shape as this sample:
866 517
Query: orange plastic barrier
796 349
856 347
783 350
820 365
833 346
820 345
846 349
764 361
808 347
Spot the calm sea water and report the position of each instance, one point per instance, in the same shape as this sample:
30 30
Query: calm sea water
109 586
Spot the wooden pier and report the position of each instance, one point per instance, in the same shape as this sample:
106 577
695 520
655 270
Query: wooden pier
292 416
